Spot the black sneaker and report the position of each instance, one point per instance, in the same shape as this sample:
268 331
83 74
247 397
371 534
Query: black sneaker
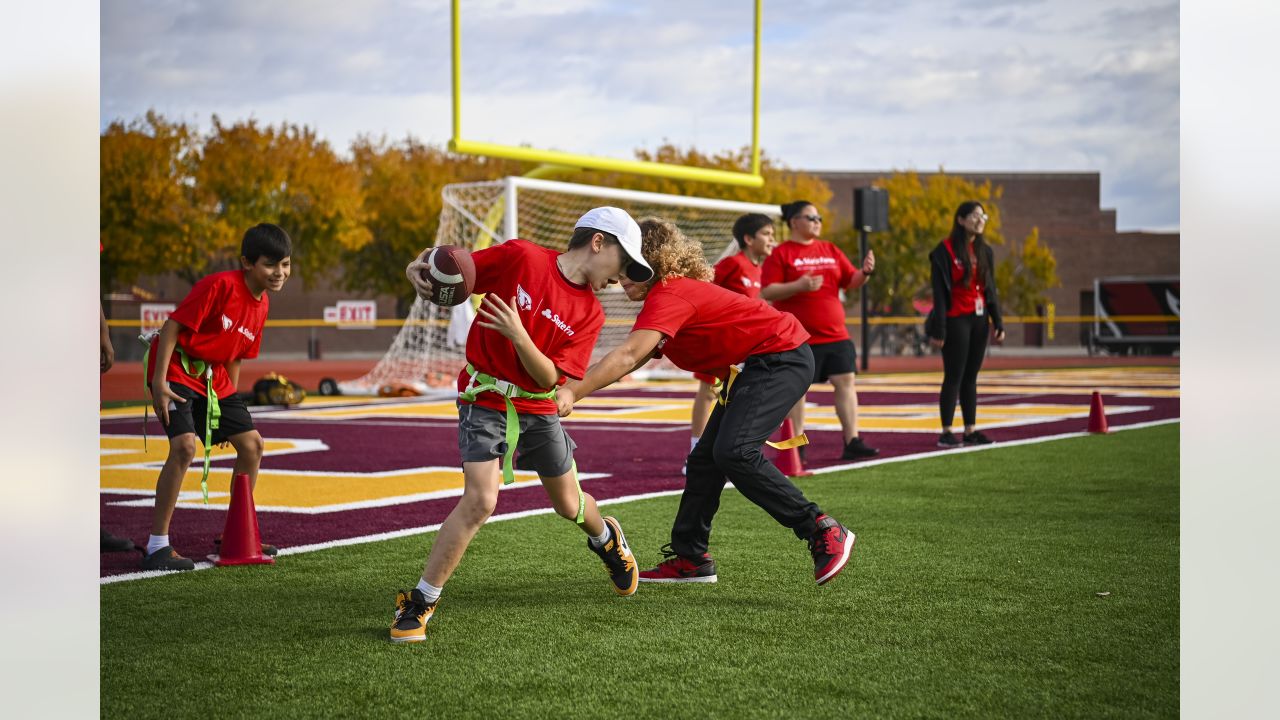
268 550
830 547
412 614
111 543
948 440
166 559
858 450
976 438
618 559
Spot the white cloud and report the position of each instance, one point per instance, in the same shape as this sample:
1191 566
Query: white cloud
847 84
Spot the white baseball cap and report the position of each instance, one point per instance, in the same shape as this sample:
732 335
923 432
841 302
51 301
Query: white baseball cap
618 223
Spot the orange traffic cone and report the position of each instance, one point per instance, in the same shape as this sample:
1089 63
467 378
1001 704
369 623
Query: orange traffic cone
788 460
1097 416
241 543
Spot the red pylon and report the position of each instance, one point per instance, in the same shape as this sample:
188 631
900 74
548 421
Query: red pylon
241 543
1097 415
788 461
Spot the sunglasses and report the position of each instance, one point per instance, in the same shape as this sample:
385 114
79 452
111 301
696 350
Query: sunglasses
812 218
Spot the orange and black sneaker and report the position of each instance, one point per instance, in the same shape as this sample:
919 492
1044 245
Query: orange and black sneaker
618 559
412 614
678 569
830 547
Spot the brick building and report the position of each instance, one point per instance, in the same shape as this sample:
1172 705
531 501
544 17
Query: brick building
1081 233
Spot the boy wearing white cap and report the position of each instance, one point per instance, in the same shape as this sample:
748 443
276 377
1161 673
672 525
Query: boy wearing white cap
536 328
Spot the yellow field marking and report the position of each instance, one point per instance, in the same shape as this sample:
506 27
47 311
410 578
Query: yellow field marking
127 469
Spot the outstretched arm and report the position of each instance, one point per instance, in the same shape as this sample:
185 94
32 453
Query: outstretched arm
628 357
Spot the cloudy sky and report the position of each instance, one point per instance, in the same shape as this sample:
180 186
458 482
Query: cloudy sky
1031 85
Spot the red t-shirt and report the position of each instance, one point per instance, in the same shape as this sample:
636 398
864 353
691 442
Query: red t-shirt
964 297
221 322
739 274
563 319
709 328
820 311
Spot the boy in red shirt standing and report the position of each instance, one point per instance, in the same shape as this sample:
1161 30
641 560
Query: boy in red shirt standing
761 356
740 273
537 326
194 365
804 276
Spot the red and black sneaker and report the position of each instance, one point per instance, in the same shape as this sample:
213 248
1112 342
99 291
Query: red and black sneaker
830 546
677 569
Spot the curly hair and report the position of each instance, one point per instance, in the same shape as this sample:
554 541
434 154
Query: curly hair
670 253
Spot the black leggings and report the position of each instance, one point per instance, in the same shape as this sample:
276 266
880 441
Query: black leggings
962 354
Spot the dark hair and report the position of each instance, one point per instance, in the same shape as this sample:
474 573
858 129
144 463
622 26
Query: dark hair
582 237
749 224
793 209
266 240
958 244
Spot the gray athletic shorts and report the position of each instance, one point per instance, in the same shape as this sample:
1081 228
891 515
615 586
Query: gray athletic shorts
544 446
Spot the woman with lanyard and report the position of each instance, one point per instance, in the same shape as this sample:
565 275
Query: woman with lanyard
965 305
804 276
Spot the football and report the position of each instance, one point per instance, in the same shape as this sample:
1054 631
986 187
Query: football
451 273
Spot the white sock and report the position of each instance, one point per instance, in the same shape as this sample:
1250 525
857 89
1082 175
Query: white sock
155 542
693 442
603 537
429 591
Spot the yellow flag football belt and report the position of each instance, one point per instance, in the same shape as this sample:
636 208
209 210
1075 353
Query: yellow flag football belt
722 388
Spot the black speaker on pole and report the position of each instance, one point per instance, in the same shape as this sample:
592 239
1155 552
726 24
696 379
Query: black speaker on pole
871 209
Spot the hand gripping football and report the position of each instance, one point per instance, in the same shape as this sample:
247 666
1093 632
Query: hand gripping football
451 273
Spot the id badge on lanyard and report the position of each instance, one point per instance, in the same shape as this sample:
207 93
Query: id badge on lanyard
978 306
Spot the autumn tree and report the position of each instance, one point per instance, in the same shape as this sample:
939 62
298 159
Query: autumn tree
1023 277
921 211
153 216
402 183
288 176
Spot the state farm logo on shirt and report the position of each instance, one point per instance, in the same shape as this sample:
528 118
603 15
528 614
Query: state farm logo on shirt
749 282
559 323
245 332
227 323
813 261
523 301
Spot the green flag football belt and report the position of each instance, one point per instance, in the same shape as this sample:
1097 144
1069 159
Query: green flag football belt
213 412
483 382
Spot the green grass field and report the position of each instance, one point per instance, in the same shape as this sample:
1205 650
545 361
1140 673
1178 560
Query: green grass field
973 591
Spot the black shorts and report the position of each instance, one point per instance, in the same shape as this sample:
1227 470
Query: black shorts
834 358
188 417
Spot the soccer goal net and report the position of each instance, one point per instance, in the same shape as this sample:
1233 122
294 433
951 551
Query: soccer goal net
428 352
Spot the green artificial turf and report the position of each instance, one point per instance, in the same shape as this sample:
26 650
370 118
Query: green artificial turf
973 591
